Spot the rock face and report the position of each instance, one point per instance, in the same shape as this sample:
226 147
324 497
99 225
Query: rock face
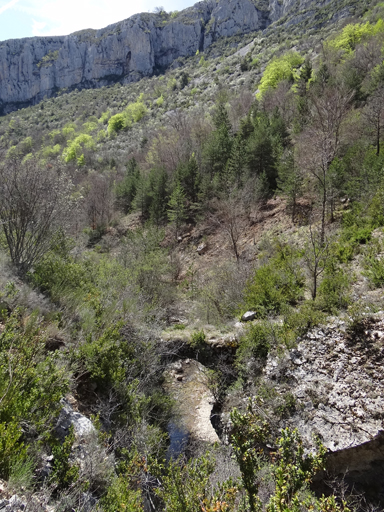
336 379
34 68
69 418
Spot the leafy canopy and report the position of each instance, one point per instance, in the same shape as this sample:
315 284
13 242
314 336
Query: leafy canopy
353 34
279 69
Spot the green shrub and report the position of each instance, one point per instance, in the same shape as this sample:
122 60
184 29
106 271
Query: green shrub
351 239
179 327
198 339
275 284
374 266
333 292
298 321
116 123
64 472
106 357
256 342
12 449
121 497
352 34
60 275
75 148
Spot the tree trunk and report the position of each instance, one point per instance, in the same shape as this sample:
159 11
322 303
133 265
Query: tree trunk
324 204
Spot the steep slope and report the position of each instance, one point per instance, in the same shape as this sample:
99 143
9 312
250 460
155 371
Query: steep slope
34 68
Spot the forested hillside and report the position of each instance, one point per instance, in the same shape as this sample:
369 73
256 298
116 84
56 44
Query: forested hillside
191 285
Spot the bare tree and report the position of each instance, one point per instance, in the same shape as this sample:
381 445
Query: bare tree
374 114
99 201
228 218
316 257
321 142
35 203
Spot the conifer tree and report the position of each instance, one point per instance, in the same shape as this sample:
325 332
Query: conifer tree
290 181
126 190
176 208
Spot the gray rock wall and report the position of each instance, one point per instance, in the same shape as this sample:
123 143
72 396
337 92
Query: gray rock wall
33 68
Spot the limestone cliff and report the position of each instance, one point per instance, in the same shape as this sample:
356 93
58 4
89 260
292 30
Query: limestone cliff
34 68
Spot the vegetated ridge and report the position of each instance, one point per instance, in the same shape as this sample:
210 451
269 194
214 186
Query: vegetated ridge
34 68
203 244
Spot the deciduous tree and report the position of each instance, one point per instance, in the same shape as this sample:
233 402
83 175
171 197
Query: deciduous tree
35 203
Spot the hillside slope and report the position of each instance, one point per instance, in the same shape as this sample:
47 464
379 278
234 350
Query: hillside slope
34 68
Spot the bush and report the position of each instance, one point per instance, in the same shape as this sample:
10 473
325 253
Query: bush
374 266
12 450
352 237
116 123
298 321
64 473
75 148
275 284
31 386
107 357
352 34
198 339
333 293
256 342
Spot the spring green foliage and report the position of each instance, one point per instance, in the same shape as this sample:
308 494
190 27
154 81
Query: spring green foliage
280 68
133 113
11 447
116 123
186 487
106 356
121 497
75 148
353 34
48 59
198 339
334 290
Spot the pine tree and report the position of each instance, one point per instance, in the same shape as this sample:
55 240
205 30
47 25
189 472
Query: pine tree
127 188
217 150
190 178
290 181
159 195
237 164
142 200
176 207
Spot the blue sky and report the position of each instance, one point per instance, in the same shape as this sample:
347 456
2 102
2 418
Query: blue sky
26 18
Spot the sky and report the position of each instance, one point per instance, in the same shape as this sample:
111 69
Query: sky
27 18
